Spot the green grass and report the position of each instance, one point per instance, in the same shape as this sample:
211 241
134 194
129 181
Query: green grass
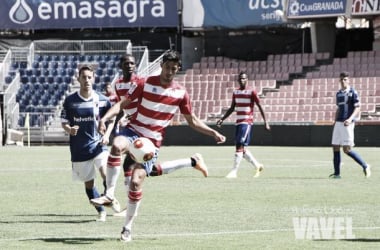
42 208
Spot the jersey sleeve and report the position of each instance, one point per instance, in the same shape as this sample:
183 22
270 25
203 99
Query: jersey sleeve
63 116
355 98
255 97
185 105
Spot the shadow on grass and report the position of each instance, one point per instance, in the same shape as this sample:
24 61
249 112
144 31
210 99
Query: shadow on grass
352 240
72 241
66 219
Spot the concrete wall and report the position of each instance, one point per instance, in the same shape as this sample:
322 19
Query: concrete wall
280 135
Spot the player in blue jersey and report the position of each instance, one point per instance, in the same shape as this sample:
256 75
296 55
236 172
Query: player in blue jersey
348 111
80 115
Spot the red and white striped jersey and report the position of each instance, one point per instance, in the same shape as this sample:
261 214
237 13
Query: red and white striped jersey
122 87
245 100
156 107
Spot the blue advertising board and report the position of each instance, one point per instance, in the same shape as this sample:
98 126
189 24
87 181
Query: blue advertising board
64 14
231 13
301 9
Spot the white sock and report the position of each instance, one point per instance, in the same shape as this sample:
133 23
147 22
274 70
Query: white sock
237 159
132 211
249 157
170 166
113 172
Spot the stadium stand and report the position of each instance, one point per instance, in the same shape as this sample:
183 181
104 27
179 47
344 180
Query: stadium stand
292 87
37 78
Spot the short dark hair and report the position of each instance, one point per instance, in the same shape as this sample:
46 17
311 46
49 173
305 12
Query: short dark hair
344 74
124 58
85 67
172 56
242 73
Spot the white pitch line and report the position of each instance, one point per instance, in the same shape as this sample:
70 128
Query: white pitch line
173 235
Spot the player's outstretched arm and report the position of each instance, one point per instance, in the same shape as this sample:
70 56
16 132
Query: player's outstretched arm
111 113
227 114
195 123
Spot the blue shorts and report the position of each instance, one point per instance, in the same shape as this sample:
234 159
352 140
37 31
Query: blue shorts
243 134
131 136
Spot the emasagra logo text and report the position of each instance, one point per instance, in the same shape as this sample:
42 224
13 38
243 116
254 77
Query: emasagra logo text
132 10
20 12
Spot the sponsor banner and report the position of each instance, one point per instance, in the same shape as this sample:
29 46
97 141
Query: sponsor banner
302 9
365 7
64 14
231 13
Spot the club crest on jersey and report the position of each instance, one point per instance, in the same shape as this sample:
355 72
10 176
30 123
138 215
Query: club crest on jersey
132 88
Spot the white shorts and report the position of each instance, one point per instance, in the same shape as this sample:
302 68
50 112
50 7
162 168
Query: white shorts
85 170
343 135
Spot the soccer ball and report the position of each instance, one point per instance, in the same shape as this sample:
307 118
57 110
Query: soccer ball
142 150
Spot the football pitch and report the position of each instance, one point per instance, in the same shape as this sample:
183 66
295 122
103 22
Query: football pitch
292 205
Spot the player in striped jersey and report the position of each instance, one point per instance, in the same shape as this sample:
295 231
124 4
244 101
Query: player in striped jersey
127 64
244 100
348 111
80 114
158 100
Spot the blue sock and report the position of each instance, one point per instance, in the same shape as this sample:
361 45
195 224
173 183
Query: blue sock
93 193
357 158
336 162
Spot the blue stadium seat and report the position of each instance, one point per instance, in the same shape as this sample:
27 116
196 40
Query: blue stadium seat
47 58
64 58
58 79
35 65
38 58
67 80
29 72
102 64
53 64
99 72
41 79
15 65
111 64
98 58
70 72
73 58
50 79
45 64
110 72
55 58
36 72
8 79
106 78
24 79
32 79
23 65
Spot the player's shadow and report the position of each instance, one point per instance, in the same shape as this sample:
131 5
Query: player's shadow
362 240
351 240
70 241
66 219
